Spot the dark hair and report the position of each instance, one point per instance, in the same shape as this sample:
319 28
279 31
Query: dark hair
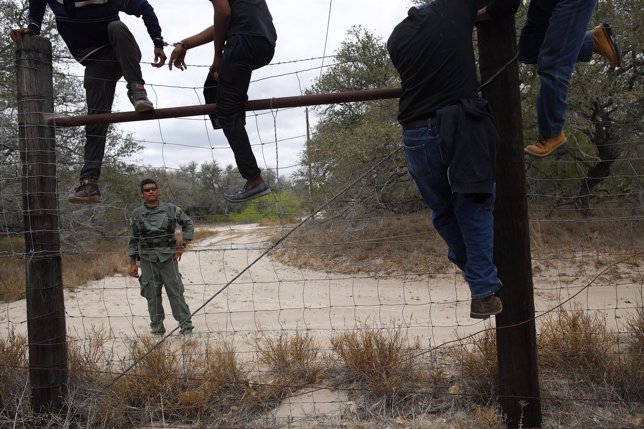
147 181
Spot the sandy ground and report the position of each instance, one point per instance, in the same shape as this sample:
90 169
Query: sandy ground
270 296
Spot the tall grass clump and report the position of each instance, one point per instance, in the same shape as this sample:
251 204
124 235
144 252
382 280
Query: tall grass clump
292 359
196 382
380 360
632 358
13 373
579 345
476 369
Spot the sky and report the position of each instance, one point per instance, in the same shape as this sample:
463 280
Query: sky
277 137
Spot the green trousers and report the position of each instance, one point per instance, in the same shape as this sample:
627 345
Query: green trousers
155 275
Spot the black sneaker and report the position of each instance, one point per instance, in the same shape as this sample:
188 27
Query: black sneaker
139 98
86 193
246 194
485 307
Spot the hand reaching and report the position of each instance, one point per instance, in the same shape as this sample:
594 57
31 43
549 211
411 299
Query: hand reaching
178 57
159 57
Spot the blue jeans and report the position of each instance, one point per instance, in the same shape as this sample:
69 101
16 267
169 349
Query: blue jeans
463 221
555 38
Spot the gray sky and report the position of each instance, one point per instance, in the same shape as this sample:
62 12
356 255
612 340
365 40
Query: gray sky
301 26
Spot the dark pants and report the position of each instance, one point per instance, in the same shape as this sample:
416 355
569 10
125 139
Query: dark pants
102 70
242 55
154 276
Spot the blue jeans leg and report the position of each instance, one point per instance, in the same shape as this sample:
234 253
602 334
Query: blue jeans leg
464 224
555 37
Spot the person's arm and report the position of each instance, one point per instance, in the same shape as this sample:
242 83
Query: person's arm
133 248
36 14
178 55
145 10
187 225
221 23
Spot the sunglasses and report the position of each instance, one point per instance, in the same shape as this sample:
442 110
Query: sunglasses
149 189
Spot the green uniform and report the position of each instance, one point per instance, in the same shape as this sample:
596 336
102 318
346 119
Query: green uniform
152 241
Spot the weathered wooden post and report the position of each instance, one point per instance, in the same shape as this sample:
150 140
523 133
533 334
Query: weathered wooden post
45 304
516 334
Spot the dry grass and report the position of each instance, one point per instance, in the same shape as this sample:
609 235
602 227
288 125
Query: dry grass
293 359
193 381
380 360
381 245
77 268
78 265
580 343
591 377
630 372
577 232
393 244
476 368
13 372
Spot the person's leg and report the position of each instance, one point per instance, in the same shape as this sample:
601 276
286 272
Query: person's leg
126 50
232 87
476 222
102 72
425 165
560 50
534 30
242 55
128 54
151 283
171 278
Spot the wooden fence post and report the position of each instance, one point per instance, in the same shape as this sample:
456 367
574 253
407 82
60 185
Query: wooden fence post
516 335
45 302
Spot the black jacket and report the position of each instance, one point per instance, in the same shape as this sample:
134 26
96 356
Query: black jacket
468 144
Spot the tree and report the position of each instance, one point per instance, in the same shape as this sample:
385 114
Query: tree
352 137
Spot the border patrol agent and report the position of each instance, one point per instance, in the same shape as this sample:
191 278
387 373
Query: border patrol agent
153 243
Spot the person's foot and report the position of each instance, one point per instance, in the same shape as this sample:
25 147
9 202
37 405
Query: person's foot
604 45
139 98
187 332
86 193
485 307
249 192
545 146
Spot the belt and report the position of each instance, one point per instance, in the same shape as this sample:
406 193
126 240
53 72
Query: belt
425 123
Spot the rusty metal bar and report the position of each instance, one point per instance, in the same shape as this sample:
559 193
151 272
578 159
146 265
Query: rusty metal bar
204 109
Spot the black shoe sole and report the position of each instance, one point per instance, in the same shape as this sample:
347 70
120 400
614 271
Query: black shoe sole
483 316
84 200
234 199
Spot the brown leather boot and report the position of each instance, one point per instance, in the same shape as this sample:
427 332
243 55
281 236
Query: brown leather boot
485 307
545 146
604 45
